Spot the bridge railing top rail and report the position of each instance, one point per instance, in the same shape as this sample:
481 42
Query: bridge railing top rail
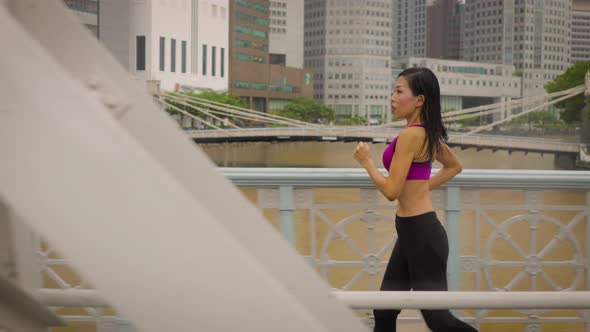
357 177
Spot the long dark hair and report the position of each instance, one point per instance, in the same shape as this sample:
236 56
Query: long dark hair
422 81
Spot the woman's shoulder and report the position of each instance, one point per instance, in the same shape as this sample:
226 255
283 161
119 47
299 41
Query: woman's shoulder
412 133
412 138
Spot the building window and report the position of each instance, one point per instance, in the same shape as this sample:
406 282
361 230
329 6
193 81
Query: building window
222 62
162 53
173 55
183 56
204 60
140 52
213 58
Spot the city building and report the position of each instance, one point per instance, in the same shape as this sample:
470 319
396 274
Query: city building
581 31
286 33
265 80
409 27
467 84
183 44
445 29
534 36
348 47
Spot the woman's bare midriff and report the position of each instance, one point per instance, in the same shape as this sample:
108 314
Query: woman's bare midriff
414 199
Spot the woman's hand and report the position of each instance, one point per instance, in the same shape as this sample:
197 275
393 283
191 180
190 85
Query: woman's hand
362 154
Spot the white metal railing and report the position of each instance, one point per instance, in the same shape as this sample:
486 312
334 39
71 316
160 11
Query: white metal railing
464 300
382 299
290 190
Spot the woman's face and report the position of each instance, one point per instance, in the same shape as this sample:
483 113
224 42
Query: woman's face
403 101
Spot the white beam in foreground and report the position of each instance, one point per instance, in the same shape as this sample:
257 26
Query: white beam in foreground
384 300
465 300
111 181
86 298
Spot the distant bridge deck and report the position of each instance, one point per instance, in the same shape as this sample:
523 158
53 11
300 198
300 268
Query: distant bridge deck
381 135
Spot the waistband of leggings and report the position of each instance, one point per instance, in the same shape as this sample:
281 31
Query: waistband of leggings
428 216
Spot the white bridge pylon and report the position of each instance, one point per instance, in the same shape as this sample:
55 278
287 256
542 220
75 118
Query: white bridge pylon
93 166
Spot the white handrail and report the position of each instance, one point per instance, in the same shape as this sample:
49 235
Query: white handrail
385 300
465 300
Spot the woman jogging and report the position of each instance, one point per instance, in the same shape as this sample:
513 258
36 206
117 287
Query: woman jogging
419 257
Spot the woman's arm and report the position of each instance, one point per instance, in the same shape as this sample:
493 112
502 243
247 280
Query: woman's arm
405 149
451 167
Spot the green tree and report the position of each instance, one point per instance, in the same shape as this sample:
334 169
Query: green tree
571 109
538 119
542 119
469 121
307 110
221 97
351 121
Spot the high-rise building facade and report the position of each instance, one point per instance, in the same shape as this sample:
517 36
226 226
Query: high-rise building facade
249 57
409 27
532 35
286 33
444 39
181 44
456 31
437 14
265 85
348 46
581 31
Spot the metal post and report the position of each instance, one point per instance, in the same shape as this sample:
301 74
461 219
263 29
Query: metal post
452 213
287 208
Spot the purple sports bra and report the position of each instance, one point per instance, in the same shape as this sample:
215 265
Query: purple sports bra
418 171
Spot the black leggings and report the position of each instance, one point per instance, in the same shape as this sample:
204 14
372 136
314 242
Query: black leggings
419 262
